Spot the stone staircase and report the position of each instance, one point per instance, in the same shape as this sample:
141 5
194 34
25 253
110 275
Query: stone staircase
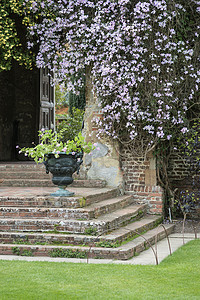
29 174
102 224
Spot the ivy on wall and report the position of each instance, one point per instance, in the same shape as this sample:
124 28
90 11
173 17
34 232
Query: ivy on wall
14 19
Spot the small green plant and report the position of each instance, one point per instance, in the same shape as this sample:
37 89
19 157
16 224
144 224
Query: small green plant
107 244
69 253
27 252
24 252
82 202
55 228
24 241
16 250
91 231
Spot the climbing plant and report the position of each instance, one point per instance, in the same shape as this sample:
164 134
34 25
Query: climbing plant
143 57
15 17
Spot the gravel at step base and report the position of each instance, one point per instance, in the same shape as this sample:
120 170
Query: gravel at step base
188 226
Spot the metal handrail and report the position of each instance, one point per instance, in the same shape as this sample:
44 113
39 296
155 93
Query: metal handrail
156 241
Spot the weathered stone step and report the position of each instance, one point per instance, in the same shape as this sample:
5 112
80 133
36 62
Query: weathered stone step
35 174
128 231
29 174
140 244
88 198
19 166
46 182
123 252
103 224
26 182
93 211
123 216
117 236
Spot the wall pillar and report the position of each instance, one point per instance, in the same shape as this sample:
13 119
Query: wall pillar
140 180
103 163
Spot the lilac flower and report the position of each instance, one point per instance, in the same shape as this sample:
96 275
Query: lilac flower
138 67
184 130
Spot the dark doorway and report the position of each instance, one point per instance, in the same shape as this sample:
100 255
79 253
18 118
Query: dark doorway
21 109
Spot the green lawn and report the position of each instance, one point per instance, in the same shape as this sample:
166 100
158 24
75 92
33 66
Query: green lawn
177 277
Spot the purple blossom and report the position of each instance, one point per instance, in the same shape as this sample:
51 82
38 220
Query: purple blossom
139 69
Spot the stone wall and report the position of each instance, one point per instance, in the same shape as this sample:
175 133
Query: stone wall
103 163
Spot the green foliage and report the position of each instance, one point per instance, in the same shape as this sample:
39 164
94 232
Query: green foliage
77 99
70 253
14 19
71 126
82 201
22 252
91 231
16 250
61 96
107 244
51 142
187 200
26 252
189 145
23 241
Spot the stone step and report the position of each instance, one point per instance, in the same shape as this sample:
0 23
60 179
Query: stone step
123 252
30 174
46 182
21 166
26 182
93 211
82 198
106 223
35 174
117 236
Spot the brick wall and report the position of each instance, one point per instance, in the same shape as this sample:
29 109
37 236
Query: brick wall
178 169
136 172
181 179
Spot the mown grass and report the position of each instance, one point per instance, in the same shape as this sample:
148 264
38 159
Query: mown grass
177 277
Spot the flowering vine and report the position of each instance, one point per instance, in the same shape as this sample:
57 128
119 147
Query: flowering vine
143 57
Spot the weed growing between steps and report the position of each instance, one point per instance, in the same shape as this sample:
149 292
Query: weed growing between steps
68 253
21 252
91 231
58 243
95 241
58 252
107 244
82 202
